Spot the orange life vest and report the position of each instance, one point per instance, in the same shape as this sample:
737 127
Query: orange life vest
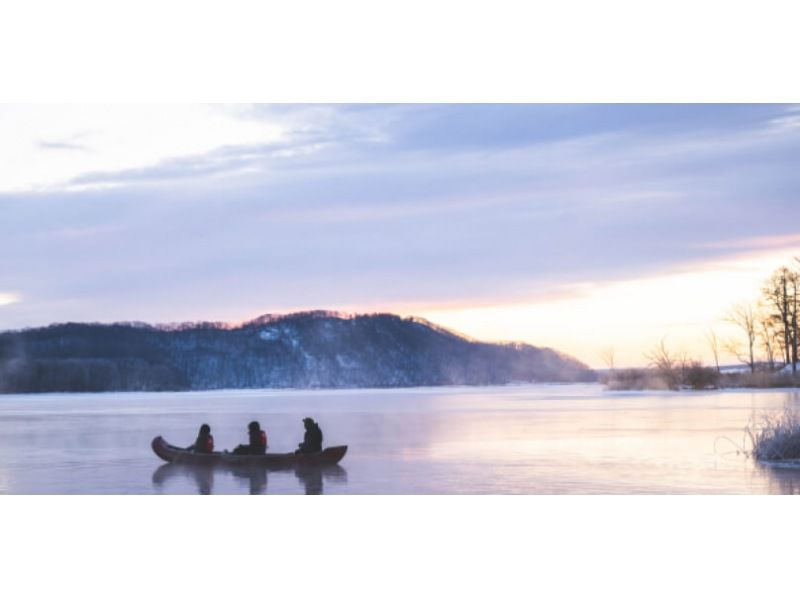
263 439
210 443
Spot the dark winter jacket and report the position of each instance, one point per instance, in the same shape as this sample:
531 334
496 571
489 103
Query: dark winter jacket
312 440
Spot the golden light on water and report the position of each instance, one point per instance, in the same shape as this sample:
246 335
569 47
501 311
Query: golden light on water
629 315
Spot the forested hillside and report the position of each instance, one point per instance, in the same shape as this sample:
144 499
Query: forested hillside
305 350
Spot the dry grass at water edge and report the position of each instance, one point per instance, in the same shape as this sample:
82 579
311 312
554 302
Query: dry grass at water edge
776 437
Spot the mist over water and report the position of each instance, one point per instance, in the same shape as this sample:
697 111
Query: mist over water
532 439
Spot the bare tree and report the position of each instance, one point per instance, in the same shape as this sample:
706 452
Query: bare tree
766 333
776 293
782 293
607 355
794 282
742 316
662 360
684 362
713 343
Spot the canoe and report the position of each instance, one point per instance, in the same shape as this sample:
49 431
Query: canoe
173 454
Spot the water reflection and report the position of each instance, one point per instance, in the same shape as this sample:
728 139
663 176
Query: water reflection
202 477
255 477
781 479
311 477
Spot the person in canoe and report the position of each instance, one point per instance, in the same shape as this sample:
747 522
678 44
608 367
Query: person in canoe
312 440
258 441
204 442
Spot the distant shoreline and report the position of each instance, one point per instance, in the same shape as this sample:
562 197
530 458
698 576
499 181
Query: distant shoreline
697 378
273 389
276 391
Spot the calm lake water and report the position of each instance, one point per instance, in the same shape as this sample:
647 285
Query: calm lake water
537 439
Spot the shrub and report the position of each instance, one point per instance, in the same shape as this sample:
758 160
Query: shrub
777 437
636 379
699 377
761 379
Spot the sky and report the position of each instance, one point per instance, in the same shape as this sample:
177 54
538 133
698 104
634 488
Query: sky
579 227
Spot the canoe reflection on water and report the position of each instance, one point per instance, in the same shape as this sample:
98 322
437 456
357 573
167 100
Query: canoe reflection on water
311 477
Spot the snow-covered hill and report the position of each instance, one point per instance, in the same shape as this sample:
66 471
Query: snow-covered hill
304 350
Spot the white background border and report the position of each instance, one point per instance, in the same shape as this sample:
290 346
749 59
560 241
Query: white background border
398 546
368 51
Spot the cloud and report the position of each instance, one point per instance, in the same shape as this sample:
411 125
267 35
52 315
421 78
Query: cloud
227 160
393 205
8 298
61 145
112 137
768 242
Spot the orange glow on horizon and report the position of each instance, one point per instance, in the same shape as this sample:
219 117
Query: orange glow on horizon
631 316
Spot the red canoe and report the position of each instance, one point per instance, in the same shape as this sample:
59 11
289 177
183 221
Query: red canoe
173 454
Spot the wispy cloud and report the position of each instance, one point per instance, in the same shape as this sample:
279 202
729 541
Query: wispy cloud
61 145
8 298
34 139
226 160
765 242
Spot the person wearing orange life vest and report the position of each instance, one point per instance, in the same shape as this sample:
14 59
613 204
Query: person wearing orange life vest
204 442
257 441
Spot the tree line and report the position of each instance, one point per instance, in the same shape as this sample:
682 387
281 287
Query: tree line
769 328
766 342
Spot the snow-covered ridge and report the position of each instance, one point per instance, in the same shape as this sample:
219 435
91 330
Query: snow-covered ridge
306 350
